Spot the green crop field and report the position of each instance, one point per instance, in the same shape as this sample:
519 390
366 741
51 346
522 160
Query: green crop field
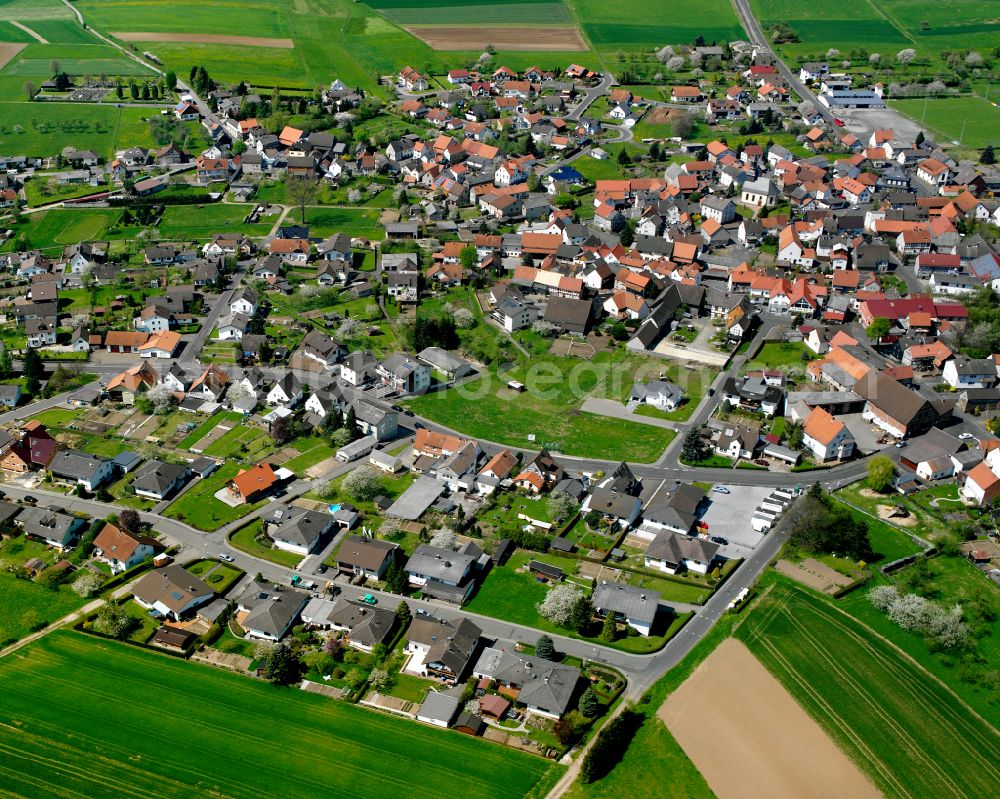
948 116
642 24
851 23
219 734
11 33
959 24
902 726
256 17
62 31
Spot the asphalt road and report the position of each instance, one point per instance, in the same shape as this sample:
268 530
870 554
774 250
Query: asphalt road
757 37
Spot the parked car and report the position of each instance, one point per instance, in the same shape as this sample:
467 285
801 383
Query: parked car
966 436
720 489
226 557
30 499
901 444
368 599
838 122
718 539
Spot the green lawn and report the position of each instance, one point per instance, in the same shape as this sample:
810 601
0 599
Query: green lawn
780 355
199 508
232 443
243 539
508 595
220 576
51 230
57 417
310 457
884 711
303 742
549 411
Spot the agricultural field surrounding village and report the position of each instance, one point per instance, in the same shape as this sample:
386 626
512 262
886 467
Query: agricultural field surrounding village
882 708
499 399
304 742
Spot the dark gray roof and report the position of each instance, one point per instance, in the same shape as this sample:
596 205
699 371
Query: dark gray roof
674 548
638 604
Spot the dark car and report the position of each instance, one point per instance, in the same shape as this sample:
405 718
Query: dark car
718 539
29 498
321 569
408 412
397 408
417 426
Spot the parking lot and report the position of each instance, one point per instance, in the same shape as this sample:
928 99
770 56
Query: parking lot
728 516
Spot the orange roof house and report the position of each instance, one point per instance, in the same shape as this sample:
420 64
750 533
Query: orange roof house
253 484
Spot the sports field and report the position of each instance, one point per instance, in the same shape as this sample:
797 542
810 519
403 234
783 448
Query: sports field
81 717
903 727
976 120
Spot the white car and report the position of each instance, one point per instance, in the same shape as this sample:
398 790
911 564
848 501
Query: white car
226 557
720 489
966 436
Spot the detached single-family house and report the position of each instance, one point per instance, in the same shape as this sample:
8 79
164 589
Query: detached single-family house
672 553
636 607
172 592
159 480
122 550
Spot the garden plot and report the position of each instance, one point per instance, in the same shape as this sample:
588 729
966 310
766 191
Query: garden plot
814 574
212 436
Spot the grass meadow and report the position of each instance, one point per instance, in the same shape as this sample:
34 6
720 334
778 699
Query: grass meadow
25 606
550 409
219 734
902 725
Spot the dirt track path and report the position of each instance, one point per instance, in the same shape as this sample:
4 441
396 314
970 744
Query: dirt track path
29 31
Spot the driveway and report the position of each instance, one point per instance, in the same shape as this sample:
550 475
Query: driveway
615 409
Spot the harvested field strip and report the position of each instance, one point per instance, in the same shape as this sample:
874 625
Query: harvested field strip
458 37
8 51
203 38
749 738
898 722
